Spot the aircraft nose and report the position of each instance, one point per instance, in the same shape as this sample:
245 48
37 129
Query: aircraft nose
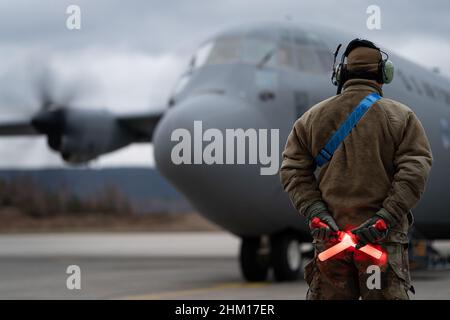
220 191
193 117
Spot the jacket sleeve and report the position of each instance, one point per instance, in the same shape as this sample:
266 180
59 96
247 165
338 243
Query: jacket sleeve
297 170
413 160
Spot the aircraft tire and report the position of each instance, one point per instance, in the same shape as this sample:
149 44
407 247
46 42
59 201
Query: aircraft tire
286 257
254 265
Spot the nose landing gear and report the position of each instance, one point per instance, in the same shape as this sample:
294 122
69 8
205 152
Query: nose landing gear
286 257
281 253
254 259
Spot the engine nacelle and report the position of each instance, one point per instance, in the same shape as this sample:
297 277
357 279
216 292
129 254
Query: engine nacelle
86 134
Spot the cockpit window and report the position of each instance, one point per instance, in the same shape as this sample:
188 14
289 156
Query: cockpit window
201 55
254 50
305 54
286 56
225 50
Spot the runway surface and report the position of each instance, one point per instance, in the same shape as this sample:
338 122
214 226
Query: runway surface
150 266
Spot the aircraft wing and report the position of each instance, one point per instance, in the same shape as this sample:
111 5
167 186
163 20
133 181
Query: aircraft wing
80 135
141 125
17 128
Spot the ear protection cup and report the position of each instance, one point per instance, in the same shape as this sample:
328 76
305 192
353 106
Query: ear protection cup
387 71
338 74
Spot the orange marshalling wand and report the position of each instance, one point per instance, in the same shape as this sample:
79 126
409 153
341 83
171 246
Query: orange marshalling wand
346 242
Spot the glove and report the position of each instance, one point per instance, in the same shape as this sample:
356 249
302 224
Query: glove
319 210
375 229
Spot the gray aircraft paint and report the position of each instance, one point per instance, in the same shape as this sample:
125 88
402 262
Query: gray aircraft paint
237 197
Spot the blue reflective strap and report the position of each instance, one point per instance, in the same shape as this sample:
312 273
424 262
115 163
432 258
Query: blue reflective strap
346 127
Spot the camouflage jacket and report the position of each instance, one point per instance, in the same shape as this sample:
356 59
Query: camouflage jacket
383 163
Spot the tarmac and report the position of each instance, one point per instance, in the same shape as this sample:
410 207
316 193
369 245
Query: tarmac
194 265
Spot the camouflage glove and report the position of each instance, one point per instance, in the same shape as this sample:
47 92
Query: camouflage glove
375 229
319 210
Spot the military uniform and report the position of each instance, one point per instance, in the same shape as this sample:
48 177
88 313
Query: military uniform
346 275
383 164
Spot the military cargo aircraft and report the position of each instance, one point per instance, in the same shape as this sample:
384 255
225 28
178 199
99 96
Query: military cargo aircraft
254 77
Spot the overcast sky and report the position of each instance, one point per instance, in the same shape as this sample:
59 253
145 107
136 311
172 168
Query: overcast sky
128 54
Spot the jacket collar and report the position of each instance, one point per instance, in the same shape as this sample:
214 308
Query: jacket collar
362 84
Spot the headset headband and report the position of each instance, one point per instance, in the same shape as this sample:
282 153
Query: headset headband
356 43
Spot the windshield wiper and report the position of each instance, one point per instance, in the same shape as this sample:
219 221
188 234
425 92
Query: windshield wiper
266 58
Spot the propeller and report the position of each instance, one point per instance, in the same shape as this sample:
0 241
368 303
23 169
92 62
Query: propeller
51 116
45 92
55 98
52 92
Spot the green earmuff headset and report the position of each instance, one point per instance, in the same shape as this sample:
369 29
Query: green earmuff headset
385 72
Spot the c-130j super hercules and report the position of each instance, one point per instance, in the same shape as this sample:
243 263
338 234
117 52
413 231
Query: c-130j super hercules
254 77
